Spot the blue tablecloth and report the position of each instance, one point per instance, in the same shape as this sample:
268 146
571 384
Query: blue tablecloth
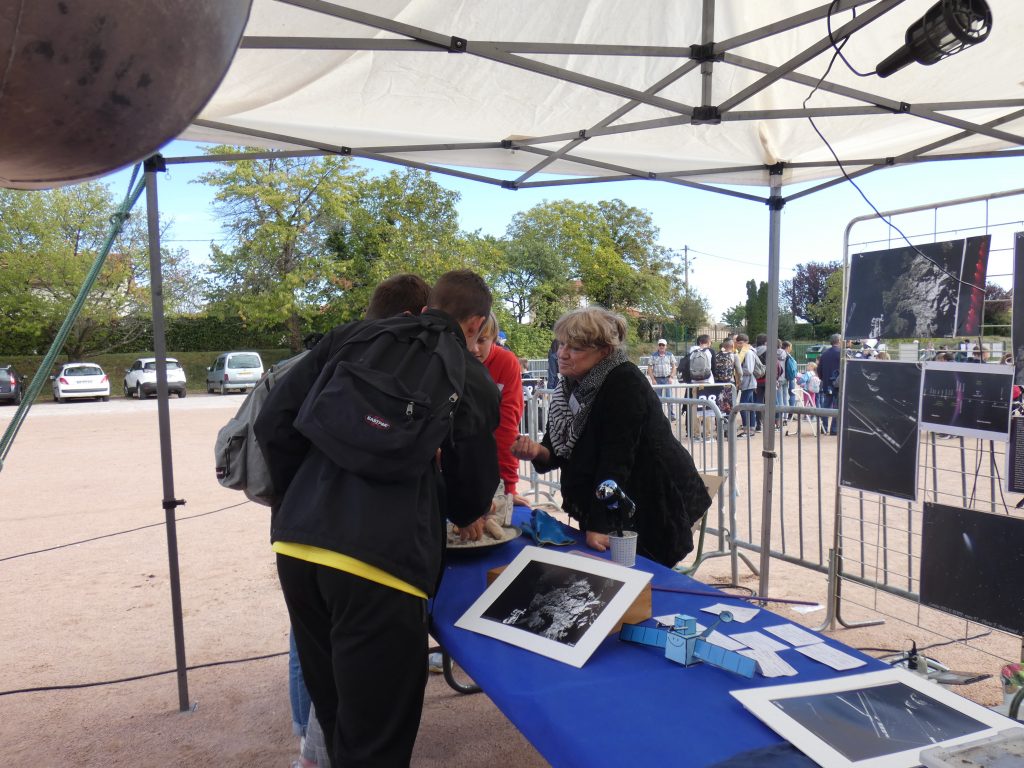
628 705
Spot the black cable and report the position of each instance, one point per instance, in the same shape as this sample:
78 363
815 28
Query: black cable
118 533
832 39
74 686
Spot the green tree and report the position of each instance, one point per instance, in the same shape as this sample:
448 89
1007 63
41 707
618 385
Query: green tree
830 309
280 214
48 242
998 310
735 316
756 308
402 221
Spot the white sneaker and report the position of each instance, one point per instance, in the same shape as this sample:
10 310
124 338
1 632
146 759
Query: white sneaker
435 663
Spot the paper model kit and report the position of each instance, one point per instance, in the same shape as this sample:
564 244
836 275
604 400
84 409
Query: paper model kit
556 604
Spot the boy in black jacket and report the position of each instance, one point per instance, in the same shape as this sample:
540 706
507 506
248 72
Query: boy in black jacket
358 557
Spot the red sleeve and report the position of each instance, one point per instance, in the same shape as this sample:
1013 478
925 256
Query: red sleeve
504 369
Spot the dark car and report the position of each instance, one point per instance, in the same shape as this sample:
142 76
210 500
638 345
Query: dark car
12 385
814 351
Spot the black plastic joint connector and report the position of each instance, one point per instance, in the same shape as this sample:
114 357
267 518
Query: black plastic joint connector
904 107
706 115
583 134
154 164
506 144
776 203
458 45
776 169
890 161
509 185
346 151
769 455
169 504
705 52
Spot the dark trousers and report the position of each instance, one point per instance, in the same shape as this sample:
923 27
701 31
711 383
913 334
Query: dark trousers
363 650
829 400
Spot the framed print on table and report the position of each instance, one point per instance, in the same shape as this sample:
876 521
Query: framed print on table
872 720
557 604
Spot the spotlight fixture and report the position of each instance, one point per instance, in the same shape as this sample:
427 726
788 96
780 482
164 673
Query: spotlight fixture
948 27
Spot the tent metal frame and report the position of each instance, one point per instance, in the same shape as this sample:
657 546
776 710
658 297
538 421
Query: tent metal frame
700 58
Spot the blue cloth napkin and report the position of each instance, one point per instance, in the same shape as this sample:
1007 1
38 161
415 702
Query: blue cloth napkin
546 530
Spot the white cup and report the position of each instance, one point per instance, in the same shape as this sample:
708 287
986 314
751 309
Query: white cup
623 548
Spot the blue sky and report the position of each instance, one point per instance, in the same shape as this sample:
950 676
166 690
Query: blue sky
727 237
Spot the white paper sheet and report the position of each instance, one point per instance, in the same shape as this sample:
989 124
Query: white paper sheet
759 641
833 657
793 634
770 664
715 638
740 613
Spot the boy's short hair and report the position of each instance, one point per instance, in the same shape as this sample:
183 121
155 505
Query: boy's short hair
703 339
742 337
489 330
400 293
461 293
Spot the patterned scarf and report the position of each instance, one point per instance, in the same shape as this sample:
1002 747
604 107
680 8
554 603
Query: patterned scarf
570 404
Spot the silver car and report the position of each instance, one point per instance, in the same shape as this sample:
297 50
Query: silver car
234 370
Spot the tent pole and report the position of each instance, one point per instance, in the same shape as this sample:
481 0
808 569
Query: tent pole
775 203
154 165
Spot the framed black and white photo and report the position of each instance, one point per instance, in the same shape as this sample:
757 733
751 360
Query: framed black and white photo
556 604
878 430
928 290
969 399
872 720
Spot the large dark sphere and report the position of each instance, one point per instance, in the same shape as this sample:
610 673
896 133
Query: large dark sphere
90 86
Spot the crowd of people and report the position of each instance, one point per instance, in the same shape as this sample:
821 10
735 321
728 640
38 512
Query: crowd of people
359 541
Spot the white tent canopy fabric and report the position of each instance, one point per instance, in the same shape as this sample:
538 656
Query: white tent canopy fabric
614 89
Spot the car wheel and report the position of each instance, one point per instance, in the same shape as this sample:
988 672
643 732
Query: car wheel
105 398
223 389
181 393
139 393
124 386
17 398
57 397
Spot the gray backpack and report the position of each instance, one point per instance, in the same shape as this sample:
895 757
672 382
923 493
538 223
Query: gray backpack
238 459
700 364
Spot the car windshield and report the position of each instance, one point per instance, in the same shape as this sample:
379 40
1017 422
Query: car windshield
83 370
244 361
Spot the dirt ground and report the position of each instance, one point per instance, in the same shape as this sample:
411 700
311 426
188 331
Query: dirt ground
87 630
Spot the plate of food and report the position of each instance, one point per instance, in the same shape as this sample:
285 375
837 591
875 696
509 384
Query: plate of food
494 534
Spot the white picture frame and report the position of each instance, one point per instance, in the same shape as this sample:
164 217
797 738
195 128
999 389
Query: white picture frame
986 415
868 720
558 604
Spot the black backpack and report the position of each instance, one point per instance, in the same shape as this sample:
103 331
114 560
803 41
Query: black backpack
385 401
684 369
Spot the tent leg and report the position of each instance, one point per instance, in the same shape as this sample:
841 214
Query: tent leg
153 166
775 203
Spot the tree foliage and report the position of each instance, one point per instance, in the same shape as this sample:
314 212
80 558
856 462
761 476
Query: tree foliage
756 308
279 214
807 289
49 240
998 309
735 316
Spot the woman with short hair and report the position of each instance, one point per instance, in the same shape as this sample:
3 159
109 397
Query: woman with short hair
606 423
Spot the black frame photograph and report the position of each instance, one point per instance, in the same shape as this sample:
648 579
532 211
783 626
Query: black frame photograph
968 399
986 545
878 429
931 290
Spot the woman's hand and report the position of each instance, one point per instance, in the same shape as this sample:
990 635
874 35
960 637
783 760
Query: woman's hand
598 541
525 448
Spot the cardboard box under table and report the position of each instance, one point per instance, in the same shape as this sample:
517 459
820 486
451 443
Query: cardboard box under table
627 705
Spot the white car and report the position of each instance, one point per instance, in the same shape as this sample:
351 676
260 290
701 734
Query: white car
140 379
80 380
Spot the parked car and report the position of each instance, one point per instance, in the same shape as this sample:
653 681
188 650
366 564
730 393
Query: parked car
234 370
814 351
140 379
12 385
79 380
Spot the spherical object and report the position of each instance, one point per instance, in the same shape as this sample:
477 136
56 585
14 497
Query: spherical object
90 87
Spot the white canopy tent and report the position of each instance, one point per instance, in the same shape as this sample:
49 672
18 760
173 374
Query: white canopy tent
701 93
